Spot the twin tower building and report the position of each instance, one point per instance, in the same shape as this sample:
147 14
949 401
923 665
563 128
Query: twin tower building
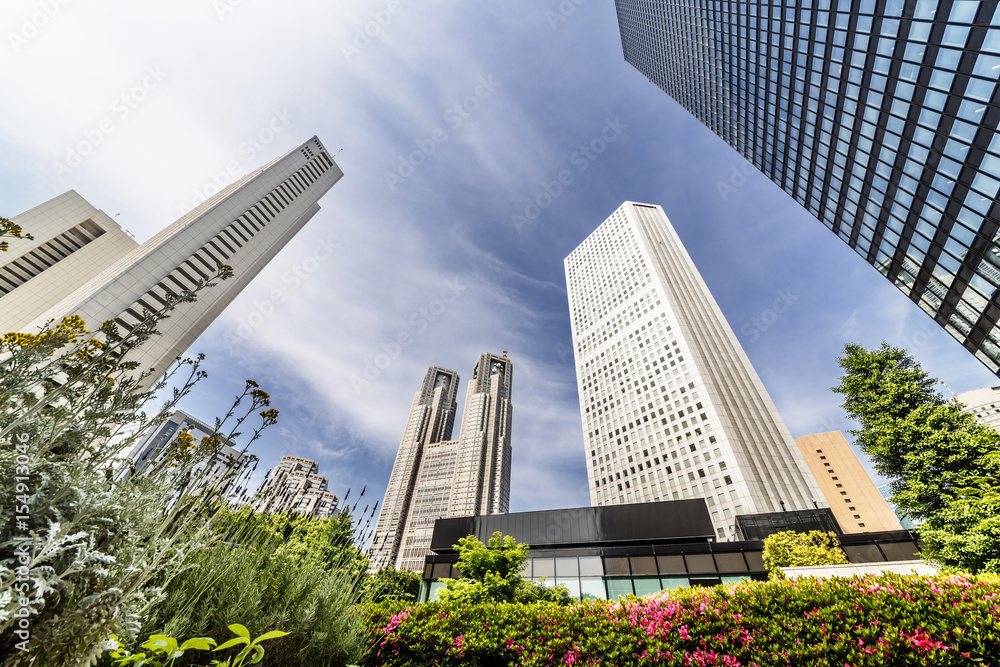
436 477
670 405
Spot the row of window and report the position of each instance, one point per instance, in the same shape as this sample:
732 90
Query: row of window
206 260
19 271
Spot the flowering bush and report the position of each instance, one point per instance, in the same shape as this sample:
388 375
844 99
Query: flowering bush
890 619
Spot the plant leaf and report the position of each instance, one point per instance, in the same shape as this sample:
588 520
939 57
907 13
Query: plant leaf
240 630
232 642
269 635
198 643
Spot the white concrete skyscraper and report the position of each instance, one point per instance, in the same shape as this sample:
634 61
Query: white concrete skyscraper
244 226
670 404
435 477
73 242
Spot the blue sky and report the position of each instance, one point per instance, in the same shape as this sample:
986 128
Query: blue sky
450 116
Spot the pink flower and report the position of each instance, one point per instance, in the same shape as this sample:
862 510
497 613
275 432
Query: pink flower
459 641
510 642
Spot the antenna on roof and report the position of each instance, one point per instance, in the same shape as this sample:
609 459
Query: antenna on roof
949 389
505 354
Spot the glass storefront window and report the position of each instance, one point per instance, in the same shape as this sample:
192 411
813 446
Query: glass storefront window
567 567
647 585
591 566
543 567
435 587
572 583
619 588
592 588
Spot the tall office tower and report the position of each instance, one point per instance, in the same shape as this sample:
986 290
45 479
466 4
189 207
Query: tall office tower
218 473
244 226
878 116
856 503
295 485
435 477
431 420
671 406
985 404
73 242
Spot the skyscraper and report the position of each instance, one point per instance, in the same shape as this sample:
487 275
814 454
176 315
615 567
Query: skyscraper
73 242
435 477
217 473
670 404
846 485
878 116
295 485
984 403
244 226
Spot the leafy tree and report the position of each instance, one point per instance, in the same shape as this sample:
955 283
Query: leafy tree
8 229
943 463
793 549
495 571
391 585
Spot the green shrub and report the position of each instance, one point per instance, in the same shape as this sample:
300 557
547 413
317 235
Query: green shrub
248 578
794 549
886 620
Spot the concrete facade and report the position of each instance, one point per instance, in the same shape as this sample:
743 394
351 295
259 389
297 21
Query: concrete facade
73 243
295 485
435 477
904 567
244 226
218 473
670 404
848 488
984 404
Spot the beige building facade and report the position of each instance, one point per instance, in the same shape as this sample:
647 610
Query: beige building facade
243 226
72 243
295 485
984 404
846 485
671 406
435 477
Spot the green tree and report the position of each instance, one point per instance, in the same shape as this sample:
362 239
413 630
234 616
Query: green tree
389 584
793 549
494 575
942 463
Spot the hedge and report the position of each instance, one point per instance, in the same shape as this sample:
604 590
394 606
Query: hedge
885 620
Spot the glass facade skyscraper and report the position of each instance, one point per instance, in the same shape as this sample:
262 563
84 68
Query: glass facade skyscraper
878 116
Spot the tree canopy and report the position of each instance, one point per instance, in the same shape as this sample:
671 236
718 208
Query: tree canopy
942 463
495 571
793 549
